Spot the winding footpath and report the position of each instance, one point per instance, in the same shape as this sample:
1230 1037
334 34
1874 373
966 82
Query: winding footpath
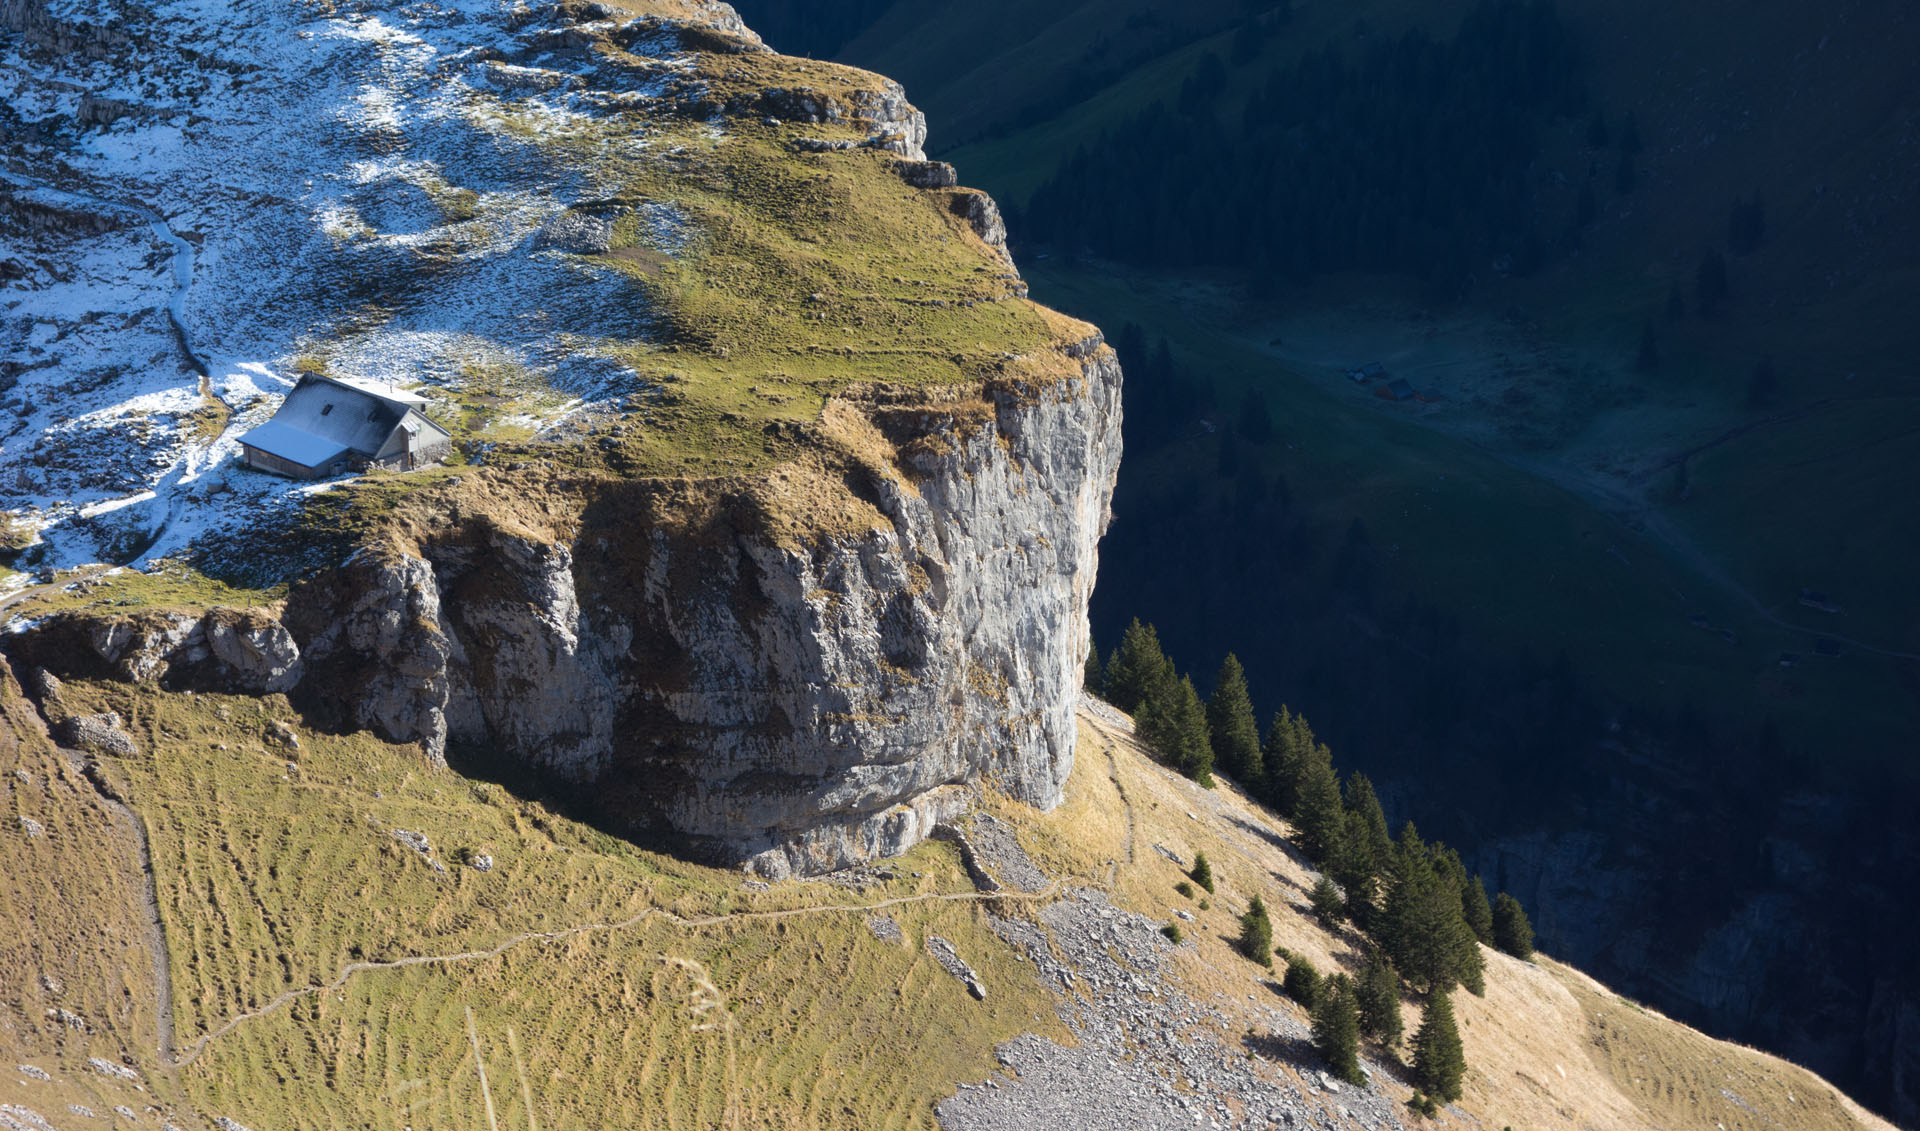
184 257
179 1059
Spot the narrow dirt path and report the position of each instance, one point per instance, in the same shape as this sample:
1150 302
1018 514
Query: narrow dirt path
110 796
347 972
1113 775
85 573
156 926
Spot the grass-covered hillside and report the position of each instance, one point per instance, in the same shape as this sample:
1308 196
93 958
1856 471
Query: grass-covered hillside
237 918
1740 459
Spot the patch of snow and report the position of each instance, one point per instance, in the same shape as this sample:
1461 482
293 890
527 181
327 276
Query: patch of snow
334 167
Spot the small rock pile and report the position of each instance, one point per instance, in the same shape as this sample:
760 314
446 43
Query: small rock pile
998 849
950 960
885 929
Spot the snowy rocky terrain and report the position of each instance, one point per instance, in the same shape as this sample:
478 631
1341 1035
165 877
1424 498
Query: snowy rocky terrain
495 205
350 186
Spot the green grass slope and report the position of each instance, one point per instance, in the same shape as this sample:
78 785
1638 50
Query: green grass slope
326 973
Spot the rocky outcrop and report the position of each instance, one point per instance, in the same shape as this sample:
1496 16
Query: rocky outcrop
96 734
929 174
245 650
99 110
374 638
983 216
893 124
40 30
795 696
799 702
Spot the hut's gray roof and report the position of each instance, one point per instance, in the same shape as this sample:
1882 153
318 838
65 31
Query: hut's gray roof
323 416
293 445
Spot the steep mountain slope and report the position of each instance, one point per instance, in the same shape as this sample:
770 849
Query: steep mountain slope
1563 587
355 938
771 545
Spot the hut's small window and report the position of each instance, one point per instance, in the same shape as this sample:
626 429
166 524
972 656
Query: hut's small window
326 409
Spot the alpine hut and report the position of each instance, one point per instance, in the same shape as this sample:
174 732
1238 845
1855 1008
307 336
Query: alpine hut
328 426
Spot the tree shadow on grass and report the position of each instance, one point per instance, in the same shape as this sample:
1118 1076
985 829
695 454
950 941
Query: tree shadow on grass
1297 1051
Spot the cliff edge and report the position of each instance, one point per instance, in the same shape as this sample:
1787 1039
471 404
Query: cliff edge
776 503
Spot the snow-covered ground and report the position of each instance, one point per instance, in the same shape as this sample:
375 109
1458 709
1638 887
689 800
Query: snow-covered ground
376 189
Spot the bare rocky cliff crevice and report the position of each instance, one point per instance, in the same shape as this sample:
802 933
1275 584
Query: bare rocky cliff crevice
791 697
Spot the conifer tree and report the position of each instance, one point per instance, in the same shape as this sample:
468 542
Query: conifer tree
1174 722
1094 676
1646 358
1365 849
1280 754
1404 927
1469 966
1202 873
1327 902
1234 736
1511 931
1301 982
1439 1062
1318 812
1377 995
1479 914
1624 176
1425 924
1465 963
1364 803
1138 668
1256 933
1710 284
1422 925
1336 1030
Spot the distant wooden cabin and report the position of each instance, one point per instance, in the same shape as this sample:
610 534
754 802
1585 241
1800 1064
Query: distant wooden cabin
1396 391
328 426
1367 372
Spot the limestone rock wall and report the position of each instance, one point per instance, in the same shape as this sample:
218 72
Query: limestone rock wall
795 700
796 705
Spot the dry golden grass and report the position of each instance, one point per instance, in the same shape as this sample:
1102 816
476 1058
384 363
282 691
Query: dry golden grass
324 972
74 928
1547 1047
325 975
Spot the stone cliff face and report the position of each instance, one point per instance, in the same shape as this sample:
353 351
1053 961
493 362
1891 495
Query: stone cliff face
793 699
786 640
799 704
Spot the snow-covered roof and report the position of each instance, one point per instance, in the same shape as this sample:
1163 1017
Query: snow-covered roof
356 418
379 389
294 445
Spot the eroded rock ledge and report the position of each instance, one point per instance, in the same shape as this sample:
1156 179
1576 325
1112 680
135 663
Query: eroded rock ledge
795 671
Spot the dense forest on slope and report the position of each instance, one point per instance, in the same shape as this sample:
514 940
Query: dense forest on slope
1648 313
1412 157
805 27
